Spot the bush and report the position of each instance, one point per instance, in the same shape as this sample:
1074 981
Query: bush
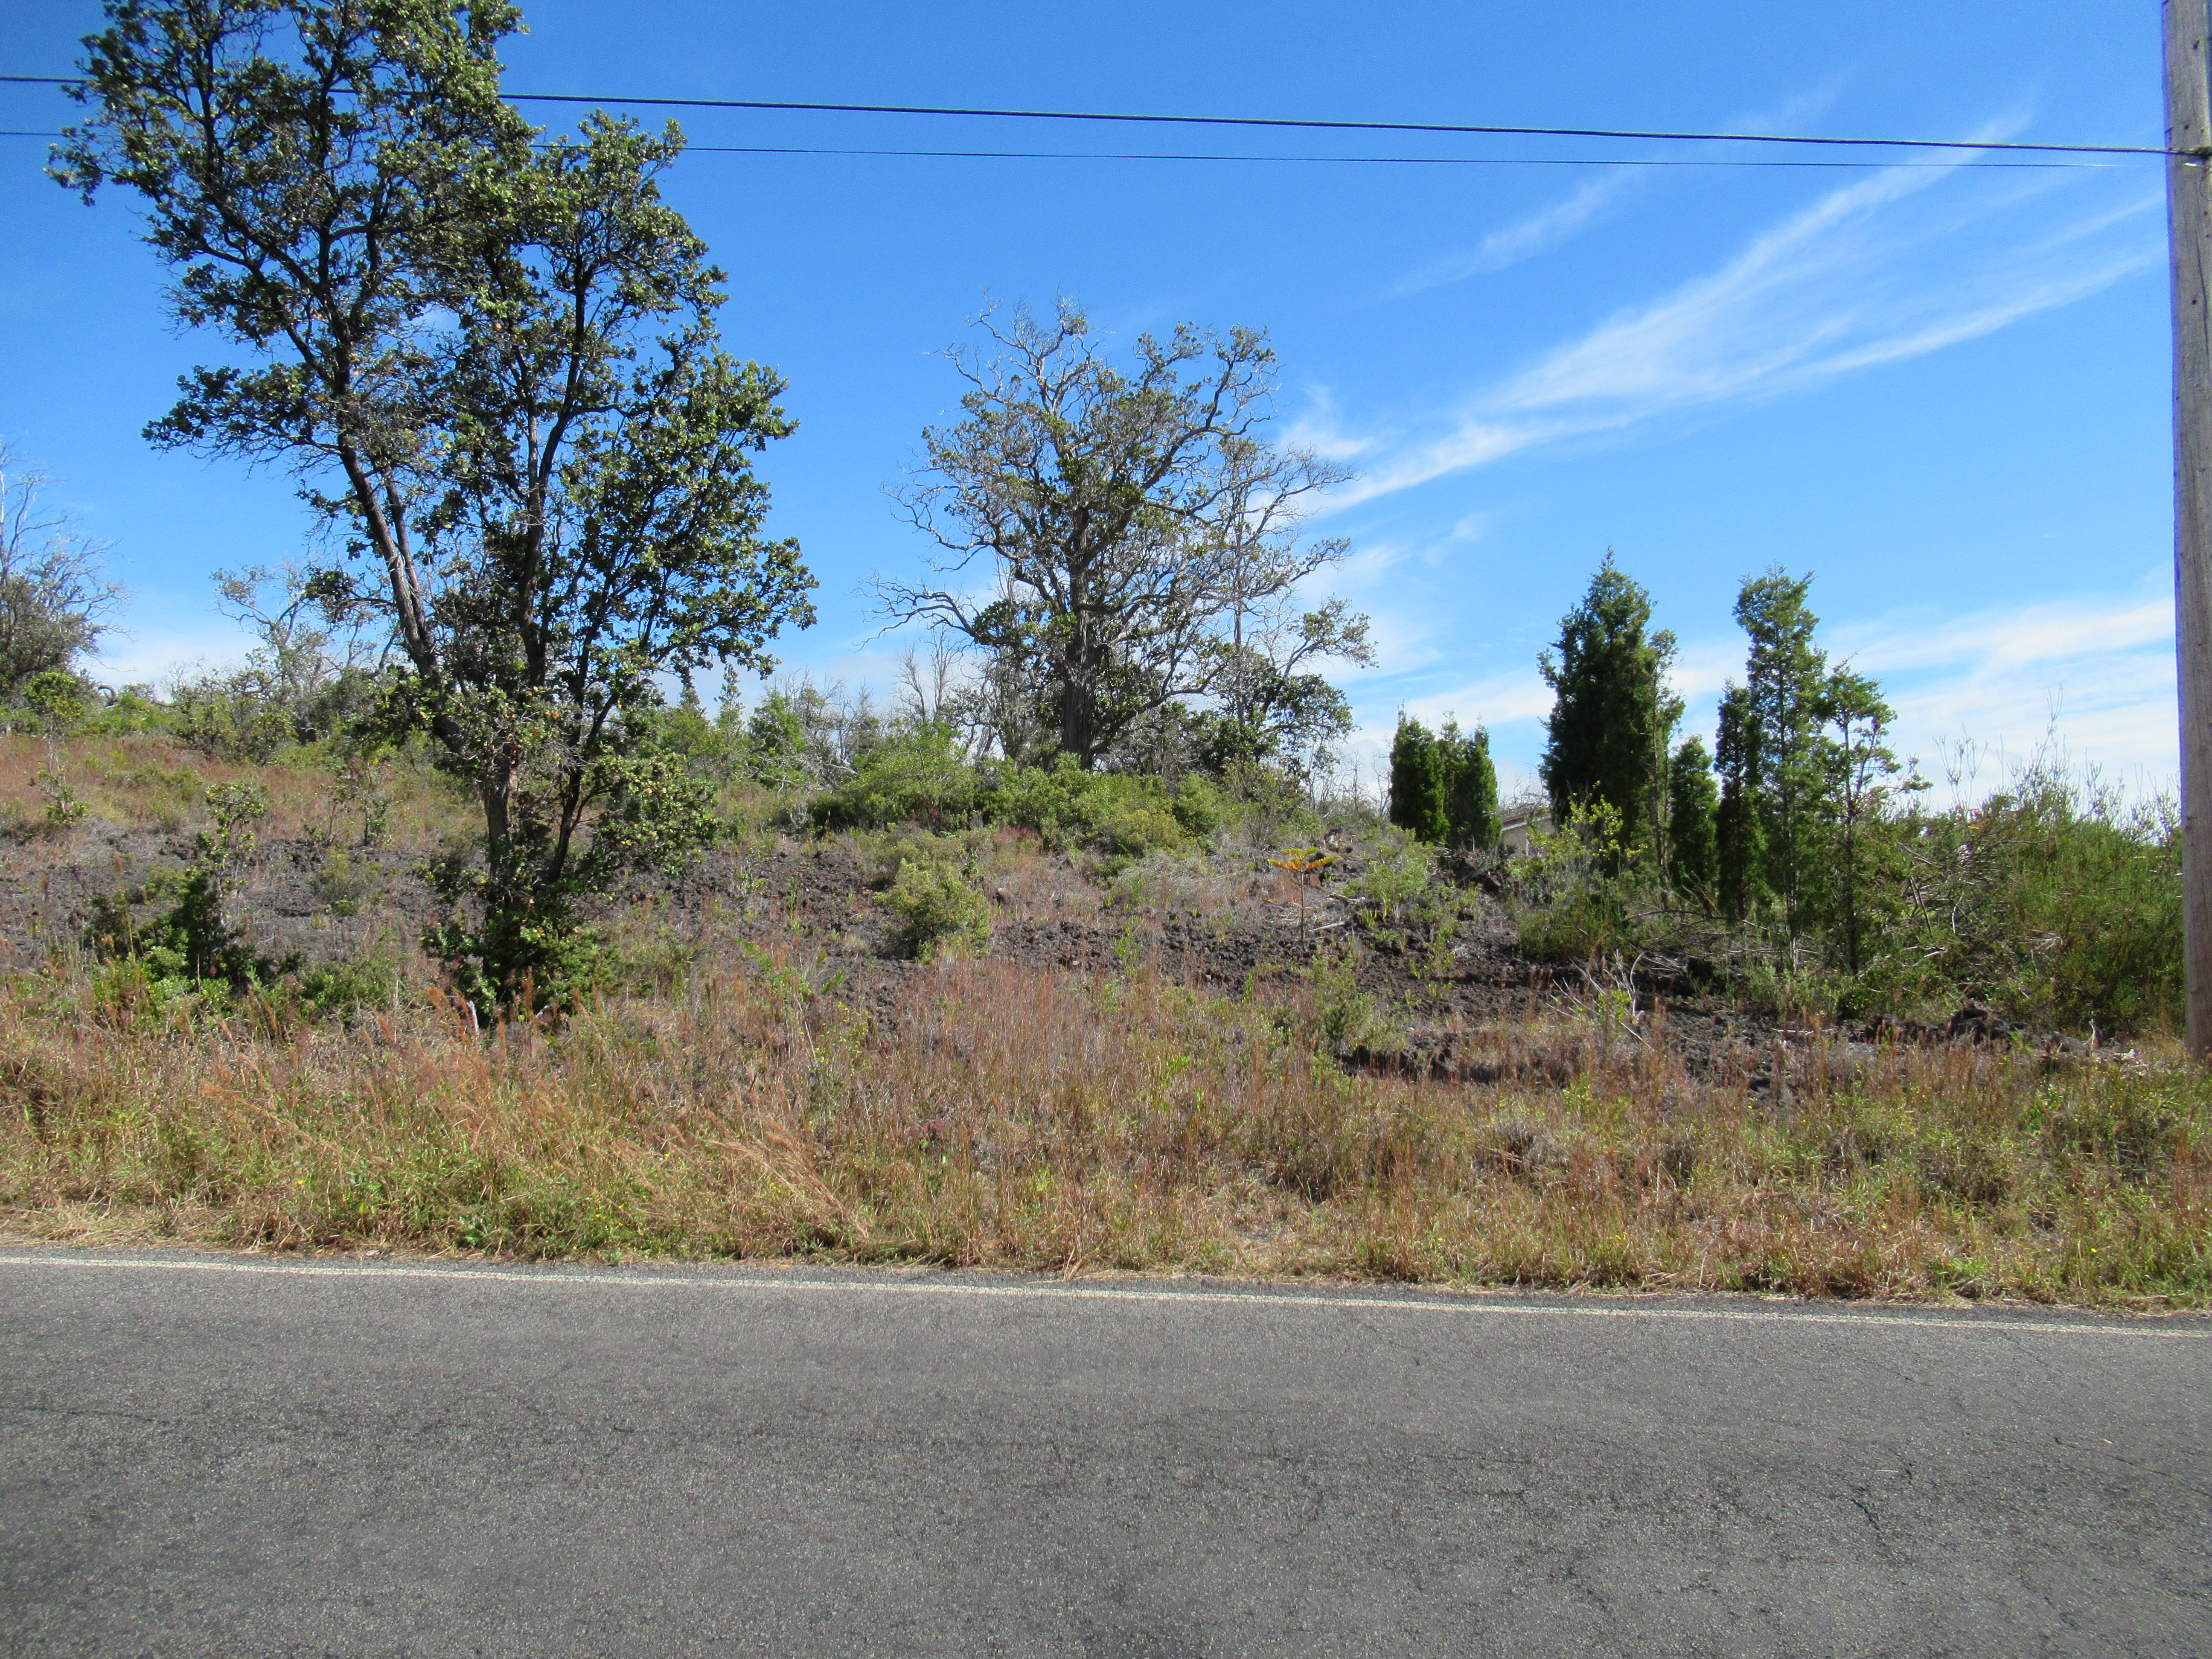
2057 904
1197 806
1114 812
339 989
1397 881
945 912
1578 892
916 774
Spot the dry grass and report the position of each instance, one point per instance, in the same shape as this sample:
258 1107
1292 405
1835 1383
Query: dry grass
1022 1118
152 781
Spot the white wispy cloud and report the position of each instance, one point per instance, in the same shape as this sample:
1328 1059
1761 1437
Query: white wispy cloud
1587 203
1510 244
2095 674
1904 262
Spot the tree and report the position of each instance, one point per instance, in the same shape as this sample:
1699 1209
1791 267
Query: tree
1129 515
1739 853
1692 804
1418 805
315 670
1470 787
1860 766
1273 704
494 362
1443 787
51 597
1779 761
1613 715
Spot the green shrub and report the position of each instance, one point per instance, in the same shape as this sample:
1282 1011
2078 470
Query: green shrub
342 884
1397 879
1114 812
1197 806
917 774
2056 903
945 912
339 989
1344 1016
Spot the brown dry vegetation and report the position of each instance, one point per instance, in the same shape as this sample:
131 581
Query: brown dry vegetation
1007 1115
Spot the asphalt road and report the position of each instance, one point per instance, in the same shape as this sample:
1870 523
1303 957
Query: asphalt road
242 1456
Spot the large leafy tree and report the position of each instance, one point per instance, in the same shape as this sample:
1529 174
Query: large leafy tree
1613 713
494 362
1131 516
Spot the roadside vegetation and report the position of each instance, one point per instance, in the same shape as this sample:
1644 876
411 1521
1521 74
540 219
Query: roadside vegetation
454 918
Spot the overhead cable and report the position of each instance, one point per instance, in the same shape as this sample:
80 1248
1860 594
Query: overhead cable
1370 161
1279 122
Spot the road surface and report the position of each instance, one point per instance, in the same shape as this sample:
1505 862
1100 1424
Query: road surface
243 1456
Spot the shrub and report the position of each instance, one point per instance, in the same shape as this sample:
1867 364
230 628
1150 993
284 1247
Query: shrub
1114 812
342 884
1197 806
1400 889
2056 903
339 989
945 912
916 774
1344 1016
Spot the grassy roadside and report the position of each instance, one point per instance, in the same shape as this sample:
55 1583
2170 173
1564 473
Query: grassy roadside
1007 1115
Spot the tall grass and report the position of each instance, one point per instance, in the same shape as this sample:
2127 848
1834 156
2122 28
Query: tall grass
1000 1115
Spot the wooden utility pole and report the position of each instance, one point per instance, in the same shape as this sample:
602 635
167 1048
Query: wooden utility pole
2189 224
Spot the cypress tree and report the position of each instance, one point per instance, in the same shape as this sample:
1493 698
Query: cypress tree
1613 717
1693 850
1417 783
1738 863
1470 787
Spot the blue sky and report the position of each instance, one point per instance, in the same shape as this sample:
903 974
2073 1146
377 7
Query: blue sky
1944 390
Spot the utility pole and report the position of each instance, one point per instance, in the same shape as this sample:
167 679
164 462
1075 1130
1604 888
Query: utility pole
2188 225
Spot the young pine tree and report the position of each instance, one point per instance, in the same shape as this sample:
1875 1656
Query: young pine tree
1693 804
1614 717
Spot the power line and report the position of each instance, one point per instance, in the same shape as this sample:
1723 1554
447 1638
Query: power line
1280 121
1371 160
1393 160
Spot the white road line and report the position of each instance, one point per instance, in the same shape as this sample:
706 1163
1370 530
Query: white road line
461 1274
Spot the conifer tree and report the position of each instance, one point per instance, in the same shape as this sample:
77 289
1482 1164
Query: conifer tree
1614 717
1739 861
1860 766
1785 680
1693 853
1470 787
1418 778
